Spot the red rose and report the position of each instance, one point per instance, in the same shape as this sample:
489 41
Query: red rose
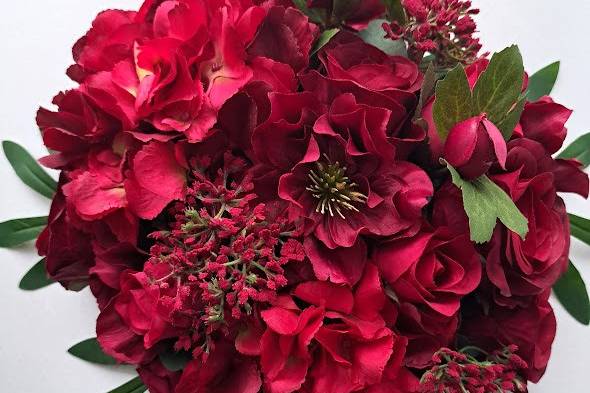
347 183
473 146
527 267
531 328
433 268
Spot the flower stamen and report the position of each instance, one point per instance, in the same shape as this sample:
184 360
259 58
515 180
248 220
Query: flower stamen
335 191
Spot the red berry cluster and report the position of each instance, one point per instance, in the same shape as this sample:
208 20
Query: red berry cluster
223 250
443 28
460 372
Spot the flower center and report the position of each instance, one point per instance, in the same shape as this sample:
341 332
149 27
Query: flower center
335 191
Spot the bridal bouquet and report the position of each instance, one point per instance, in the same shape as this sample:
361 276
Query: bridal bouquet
324 196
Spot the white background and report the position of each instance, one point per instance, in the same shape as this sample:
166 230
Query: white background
37 327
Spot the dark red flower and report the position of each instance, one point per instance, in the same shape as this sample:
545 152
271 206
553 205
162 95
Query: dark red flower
348 184
134 322
224 371
157 378
109 41
286 36
527 267
65 245
285 356
532 328
355 349
77 127
433 268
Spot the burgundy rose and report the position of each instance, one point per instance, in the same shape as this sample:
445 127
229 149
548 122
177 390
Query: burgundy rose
473 146
433 268
527 267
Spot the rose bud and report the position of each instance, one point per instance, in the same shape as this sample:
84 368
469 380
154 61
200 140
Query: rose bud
473 146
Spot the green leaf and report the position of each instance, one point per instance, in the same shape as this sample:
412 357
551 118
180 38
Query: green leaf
19 231
375 35
579 149
28 170
325 37
133 386
580 228
485 203
507 125
426 92
175 361
453 101
571 292
499 86
36 277
541 82
91 351
395 11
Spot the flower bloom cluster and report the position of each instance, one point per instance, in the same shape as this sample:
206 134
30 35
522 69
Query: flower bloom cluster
443 28
459 372
274 216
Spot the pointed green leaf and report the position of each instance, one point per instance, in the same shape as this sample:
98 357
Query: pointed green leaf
579 149
36 278
19 231
580 228
374 34
499 86
28 170
426 91
325 37
571 292
507 125
541 82
133 386
485 203
453 101
91 351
